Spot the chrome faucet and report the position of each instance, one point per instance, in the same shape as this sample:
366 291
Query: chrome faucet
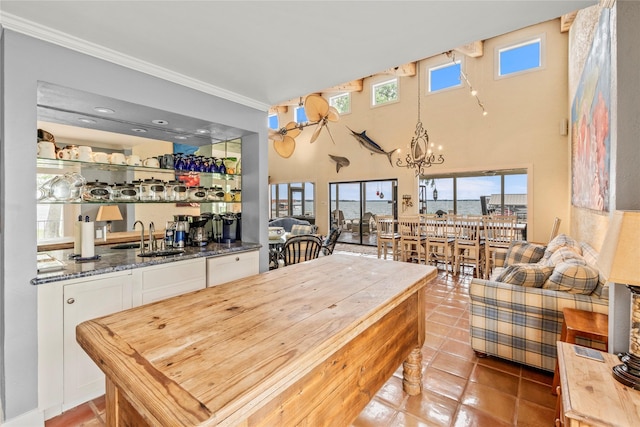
153 245
141 235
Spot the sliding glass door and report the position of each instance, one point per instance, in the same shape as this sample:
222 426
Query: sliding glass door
354 206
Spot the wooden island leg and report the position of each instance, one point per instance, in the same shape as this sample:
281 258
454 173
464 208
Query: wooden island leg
412 373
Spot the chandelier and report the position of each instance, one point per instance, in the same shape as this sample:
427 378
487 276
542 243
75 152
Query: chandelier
420 155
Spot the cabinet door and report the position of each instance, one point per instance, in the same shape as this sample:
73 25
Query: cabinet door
223 269
84 301
167 280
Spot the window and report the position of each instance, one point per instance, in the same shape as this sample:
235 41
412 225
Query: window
294 199
444 77
521 57
273 122
300 115
384 92
341 102
477 193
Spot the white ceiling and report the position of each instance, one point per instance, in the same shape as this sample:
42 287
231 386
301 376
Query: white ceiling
260 53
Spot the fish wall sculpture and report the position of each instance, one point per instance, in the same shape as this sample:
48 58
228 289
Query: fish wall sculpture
370 145
340 162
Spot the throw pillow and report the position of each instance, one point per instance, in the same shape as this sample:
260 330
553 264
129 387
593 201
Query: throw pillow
564 241
565 254
298 229
528 275
572 278
523 252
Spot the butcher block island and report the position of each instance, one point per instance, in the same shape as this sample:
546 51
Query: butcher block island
309 344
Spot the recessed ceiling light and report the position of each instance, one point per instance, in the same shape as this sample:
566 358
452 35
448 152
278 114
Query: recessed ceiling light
202 131
85 120
104 110
180 137
160 122
139 130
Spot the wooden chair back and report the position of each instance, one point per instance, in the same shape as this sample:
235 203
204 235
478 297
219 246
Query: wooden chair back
302 248
555 228
330 243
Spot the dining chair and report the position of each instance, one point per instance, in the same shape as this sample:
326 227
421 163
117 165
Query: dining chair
302 248
387 237
440 235
468 244
412 240
555 228
499 232
330 243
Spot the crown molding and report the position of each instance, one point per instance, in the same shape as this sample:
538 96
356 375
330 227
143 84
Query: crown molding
38 31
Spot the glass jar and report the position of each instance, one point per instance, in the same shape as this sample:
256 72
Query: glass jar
125 192
197 194
236 194
96 192
176 191
152 190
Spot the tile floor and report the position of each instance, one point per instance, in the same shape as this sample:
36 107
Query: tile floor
460 389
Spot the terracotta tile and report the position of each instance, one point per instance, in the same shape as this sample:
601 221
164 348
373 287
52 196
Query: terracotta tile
499 405
437 328
433 341
471 417
428 354
450 311
460 349
537 393
537 375
461 335
452 364
500 364
391 392
375 414
80 415
463 322
443 318
532 415
408 420
443 383
498 380
456 301
435 409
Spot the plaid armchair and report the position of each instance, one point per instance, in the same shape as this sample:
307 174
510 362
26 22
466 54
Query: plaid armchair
523 323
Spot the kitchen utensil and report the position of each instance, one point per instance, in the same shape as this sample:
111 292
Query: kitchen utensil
134 160
151 162
46 150
100 157
117 159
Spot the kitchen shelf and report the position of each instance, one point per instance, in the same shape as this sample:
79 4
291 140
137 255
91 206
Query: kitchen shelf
65 164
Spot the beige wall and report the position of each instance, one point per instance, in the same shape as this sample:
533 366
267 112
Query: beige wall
522 129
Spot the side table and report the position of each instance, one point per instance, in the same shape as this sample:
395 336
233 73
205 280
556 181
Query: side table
583 324
589 395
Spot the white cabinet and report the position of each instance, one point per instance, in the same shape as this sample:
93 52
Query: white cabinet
225 268
84 301
167 280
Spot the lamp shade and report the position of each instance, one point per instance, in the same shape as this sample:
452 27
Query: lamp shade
109 213
619 258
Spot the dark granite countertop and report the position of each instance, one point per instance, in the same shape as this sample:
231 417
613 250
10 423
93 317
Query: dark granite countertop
112 260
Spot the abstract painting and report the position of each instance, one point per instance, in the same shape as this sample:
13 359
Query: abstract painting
590 120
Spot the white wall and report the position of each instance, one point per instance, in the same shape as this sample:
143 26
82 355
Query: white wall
26 61
522 129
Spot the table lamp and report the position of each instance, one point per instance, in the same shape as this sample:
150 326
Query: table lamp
619 262
109 213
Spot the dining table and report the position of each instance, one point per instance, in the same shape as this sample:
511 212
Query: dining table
309 344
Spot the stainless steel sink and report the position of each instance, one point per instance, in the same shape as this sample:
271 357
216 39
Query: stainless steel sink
166 252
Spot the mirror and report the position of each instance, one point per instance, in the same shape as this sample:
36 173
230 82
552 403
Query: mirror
110 125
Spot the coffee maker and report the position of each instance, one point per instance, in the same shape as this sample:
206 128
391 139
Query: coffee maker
198 235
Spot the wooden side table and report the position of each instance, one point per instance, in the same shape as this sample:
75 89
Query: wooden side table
590 396
583 324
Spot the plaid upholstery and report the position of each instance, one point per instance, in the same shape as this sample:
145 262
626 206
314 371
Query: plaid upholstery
526 274
522 324
562 241
573 278
564 255
298 229
591 257
523 252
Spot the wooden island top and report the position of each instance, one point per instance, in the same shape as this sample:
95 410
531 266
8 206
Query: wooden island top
307 344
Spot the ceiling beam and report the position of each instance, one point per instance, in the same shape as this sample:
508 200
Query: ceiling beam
566 21
352 86
405 70
472 50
